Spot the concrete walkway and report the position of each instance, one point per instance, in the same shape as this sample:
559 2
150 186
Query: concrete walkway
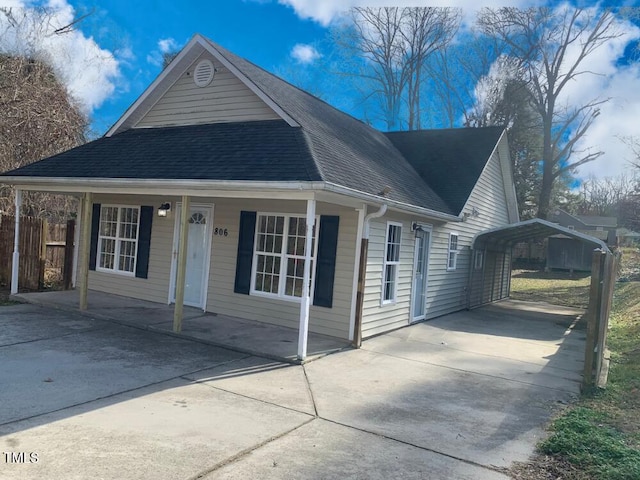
460 397
247 336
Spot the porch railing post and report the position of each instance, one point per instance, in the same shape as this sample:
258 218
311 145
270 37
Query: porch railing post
15 264
303 333
181 273
85 249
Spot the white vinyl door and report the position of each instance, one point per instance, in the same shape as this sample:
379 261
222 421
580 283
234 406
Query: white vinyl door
198 255
421 259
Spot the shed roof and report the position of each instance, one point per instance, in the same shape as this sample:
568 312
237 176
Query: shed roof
503 237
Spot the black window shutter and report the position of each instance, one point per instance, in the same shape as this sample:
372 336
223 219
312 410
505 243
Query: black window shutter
144 241
95 226
326 261
244 259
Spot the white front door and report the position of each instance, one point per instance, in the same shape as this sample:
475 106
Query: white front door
420 262
198 255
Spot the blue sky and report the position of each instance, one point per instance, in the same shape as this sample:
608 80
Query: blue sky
116 53
264 32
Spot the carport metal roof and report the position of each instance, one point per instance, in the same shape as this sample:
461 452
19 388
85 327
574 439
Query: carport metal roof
516 232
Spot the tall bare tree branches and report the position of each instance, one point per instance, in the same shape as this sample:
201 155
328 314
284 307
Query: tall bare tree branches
552 47
394 44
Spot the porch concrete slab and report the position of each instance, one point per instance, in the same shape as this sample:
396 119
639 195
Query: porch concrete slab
62 371
171 430
322 450
112 308
255 377
255 338
24 323
242 335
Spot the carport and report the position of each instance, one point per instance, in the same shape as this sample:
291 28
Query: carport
490 281
490 272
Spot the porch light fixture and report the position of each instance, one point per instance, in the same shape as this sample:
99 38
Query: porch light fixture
164 209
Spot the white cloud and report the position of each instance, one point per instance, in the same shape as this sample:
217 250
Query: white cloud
89 72
619 116
325 11
305 53
167 45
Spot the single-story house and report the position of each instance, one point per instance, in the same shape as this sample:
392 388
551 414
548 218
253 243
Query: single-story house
283 202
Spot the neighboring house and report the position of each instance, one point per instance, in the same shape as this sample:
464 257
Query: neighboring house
282 191
572 254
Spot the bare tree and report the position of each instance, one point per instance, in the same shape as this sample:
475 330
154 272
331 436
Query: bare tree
603 196
394 45
552 47
38 117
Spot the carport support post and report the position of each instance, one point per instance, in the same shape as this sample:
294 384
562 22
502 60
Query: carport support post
178 311
303 332
85 242
15 264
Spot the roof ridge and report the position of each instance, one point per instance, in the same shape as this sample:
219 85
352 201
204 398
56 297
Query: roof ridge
221 49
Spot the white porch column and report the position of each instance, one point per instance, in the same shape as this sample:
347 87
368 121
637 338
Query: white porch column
303 332
15 265
181 267
85 249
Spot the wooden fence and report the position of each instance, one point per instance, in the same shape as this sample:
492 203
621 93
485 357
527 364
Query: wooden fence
46 252
604 268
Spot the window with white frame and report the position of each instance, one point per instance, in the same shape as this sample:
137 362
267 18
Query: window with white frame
278 259
452 257
391 262
118 239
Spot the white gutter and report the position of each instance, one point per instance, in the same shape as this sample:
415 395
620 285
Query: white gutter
145 185
405 207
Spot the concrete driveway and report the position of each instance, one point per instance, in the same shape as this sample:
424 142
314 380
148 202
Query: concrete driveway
455 398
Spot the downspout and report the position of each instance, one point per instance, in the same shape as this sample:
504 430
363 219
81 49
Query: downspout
364 249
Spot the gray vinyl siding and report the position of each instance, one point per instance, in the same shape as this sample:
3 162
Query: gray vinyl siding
226 99
155 288
446 290
221 298
378 317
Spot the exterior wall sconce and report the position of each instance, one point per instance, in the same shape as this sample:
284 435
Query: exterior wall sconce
164 209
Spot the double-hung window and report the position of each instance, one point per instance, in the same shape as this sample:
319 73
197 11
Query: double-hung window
118 239
391 262
278 260
452 258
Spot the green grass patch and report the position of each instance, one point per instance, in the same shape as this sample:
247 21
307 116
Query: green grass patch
558 288
584 438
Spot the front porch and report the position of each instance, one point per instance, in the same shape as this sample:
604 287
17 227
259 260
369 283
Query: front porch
247 336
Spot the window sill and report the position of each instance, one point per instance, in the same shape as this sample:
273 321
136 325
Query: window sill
271 296
116 272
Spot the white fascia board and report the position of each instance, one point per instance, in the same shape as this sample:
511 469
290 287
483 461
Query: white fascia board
220 188
166 77
216 188
392 204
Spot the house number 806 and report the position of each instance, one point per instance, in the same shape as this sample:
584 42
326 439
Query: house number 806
223 232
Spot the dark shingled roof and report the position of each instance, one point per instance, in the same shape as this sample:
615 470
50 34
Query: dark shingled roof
266 150
439 171
347 151
449 160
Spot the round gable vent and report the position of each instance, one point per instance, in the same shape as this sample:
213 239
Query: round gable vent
203 74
